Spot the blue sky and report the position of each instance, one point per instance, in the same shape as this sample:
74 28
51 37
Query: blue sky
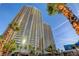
62 30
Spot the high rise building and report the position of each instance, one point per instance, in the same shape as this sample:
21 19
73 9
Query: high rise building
33 33
31 29
48 37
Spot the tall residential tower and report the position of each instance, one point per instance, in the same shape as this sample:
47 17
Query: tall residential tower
33 33
48 37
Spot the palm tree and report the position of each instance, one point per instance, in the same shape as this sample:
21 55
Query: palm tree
50 49
1 36
9 47
15 27
1 39
8 33
55 8
6 36
32 50
12 28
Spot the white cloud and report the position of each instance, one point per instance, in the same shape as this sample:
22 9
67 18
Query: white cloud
69 40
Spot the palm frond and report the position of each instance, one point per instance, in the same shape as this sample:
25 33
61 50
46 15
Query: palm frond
51 8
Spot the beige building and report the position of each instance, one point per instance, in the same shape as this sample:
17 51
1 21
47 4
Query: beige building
33 33
48 37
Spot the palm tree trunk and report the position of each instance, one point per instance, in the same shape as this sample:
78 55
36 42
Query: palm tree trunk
70 16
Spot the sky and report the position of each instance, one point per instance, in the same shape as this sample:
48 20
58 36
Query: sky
62 30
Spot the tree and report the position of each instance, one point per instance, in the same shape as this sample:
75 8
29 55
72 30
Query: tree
32 50
1 39
9 47
12 28
15 26
55 8
1 36
1 44
9 33
50 49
